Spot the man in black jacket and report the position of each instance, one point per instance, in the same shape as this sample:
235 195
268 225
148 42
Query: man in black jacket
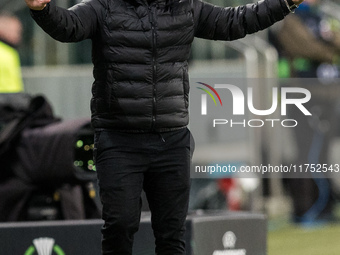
140 100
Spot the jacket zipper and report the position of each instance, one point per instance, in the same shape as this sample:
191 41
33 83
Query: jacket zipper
154 66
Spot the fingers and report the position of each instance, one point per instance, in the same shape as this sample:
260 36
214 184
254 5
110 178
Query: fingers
37 5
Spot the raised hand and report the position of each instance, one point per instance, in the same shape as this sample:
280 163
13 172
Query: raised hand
37 5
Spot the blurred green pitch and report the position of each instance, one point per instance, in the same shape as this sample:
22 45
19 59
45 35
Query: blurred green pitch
292 239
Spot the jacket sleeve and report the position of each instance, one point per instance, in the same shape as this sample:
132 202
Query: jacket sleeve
231 23
69 25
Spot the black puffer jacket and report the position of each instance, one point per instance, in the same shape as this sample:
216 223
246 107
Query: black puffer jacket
140 52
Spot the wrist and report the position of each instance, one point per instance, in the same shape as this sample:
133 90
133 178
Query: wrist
291 5
38 14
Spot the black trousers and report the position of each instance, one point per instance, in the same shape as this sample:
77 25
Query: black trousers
159 163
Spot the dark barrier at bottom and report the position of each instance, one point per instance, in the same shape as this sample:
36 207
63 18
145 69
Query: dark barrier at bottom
213 233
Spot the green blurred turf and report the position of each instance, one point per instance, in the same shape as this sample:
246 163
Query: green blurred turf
289 239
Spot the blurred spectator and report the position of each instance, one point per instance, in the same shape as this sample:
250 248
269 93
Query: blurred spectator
318 58
320 37
10 37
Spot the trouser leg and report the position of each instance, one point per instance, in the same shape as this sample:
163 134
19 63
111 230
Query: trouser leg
120 177
121 214
167 186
